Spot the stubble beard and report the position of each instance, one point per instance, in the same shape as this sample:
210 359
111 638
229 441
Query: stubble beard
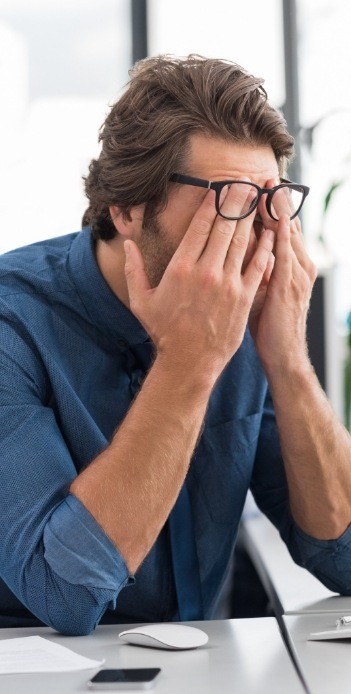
157 249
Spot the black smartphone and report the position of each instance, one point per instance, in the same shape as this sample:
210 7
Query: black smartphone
129 678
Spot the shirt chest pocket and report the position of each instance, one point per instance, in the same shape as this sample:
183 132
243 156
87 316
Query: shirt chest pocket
223 464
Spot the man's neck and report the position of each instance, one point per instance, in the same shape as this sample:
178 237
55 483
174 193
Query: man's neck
110 258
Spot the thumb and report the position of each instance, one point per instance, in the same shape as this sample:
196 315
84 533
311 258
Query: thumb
136 278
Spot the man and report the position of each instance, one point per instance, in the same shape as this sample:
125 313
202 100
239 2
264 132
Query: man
135 413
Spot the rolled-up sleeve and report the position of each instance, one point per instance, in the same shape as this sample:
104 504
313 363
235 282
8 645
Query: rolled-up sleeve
70 529
328 560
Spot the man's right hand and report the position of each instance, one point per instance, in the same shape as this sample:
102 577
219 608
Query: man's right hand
197 314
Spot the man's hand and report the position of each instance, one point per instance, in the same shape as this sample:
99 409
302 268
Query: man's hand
279 312
198 313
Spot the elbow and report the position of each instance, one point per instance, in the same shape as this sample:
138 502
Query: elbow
338 582
69 624
75 610
73 629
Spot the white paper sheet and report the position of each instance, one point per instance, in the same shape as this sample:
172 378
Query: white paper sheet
36 654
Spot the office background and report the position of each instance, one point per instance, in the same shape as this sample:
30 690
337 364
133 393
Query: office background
62 62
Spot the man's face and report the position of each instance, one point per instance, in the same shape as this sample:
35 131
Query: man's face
212 159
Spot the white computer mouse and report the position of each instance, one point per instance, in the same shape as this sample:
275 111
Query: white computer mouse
169 636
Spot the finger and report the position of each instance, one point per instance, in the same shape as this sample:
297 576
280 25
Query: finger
136 278
228 235
283 251
196 237
282 203
269 269
297 241
251 247
258 227
299 249
238 198
262 214
260 261
301 259
242 245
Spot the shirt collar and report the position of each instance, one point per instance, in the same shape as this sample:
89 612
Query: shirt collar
105 310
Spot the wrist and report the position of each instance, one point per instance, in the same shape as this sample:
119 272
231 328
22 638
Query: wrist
286 362
186 378
296 373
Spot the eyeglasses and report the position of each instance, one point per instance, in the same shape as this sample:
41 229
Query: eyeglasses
296 194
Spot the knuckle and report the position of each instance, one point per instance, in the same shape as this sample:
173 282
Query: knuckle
181 269
240 242
235 294
209 277
260 264
202 227
224 226
265 246
129 271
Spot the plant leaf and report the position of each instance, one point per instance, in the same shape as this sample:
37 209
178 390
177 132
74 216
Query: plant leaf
330 194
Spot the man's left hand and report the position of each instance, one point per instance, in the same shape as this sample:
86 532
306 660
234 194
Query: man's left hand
279 313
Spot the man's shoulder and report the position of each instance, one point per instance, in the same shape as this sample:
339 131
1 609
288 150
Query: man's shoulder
27 268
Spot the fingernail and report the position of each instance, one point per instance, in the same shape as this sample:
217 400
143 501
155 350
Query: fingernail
126 247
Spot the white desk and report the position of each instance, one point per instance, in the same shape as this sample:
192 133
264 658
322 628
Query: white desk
290 588
245 656
326 665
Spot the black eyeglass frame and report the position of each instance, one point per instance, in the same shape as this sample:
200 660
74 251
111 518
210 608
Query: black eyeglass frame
217 186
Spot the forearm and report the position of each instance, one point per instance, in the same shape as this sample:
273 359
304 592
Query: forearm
316 450
131 487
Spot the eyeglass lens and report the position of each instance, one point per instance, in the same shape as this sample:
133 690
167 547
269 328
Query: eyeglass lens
285 200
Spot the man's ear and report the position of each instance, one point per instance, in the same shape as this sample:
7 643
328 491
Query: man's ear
120 219
128 223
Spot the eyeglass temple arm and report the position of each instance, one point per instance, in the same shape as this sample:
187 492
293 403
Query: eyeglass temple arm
178 178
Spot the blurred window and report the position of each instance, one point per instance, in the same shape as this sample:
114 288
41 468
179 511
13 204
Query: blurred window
250 34
61 63
325 114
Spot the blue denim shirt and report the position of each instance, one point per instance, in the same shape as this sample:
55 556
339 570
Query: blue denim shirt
69 372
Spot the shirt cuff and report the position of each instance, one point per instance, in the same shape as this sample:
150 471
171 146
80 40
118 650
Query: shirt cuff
80 552
313 551
328 560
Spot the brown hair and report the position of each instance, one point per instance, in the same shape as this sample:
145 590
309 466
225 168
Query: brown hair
146 134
